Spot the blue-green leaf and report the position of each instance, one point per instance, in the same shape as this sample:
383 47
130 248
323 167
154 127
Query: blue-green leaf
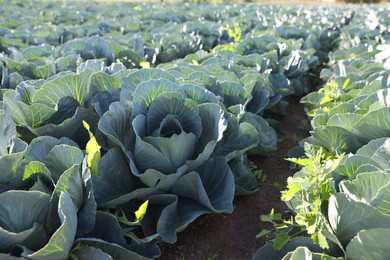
372 125
108 229
70 85
267 135
379 151
23 224
114 178
238 138
369 244
209 189
89 252
71 183
147 91
164 154
336 139
185 112
131 82
213 127
366 187
7 128
116 125
61 158
245 181
61 241
113 250
348 217
303 253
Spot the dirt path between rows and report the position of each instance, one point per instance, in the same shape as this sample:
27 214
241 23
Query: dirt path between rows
233 236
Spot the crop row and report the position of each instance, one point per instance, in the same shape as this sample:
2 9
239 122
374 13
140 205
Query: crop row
340 197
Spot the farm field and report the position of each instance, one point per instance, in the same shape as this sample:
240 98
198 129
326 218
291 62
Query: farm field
194 131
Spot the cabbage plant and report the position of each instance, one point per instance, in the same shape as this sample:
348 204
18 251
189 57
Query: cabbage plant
176 141
57 106
56 214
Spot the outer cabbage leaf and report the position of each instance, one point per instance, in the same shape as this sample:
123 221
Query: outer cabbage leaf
372 157
85 50
25 223
116 125
161 217
379 151
379 99
336 139
12 149
195 193
213 192
61 158
90 247
245 181
260 92
268 252
61 241
366 187
369 244
113 179
7 128
35 119
304 253
89 252
102 100
350 165
76 181
32 168
238 138
347 120
267 135
372 125
234 94
214 125
347 217
131 82
147 91
70 85
206 80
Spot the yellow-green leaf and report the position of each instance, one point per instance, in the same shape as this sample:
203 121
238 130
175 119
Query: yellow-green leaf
320 239
292 189
140 213
145 64
345 85
325 99
194 62
301 161
93 151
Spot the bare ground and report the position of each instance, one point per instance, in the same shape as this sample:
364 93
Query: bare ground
233 236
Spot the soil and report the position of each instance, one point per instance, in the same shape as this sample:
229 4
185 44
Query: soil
233 236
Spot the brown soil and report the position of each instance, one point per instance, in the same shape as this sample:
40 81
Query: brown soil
233 236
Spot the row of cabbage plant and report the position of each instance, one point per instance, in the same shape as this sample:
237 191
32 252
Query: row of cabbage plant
340 197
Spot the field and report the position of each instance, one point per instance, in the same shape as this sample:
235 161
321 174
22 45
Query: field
194 131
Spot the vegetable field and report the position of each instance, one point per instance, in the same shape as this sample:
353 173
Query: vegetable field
123 124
